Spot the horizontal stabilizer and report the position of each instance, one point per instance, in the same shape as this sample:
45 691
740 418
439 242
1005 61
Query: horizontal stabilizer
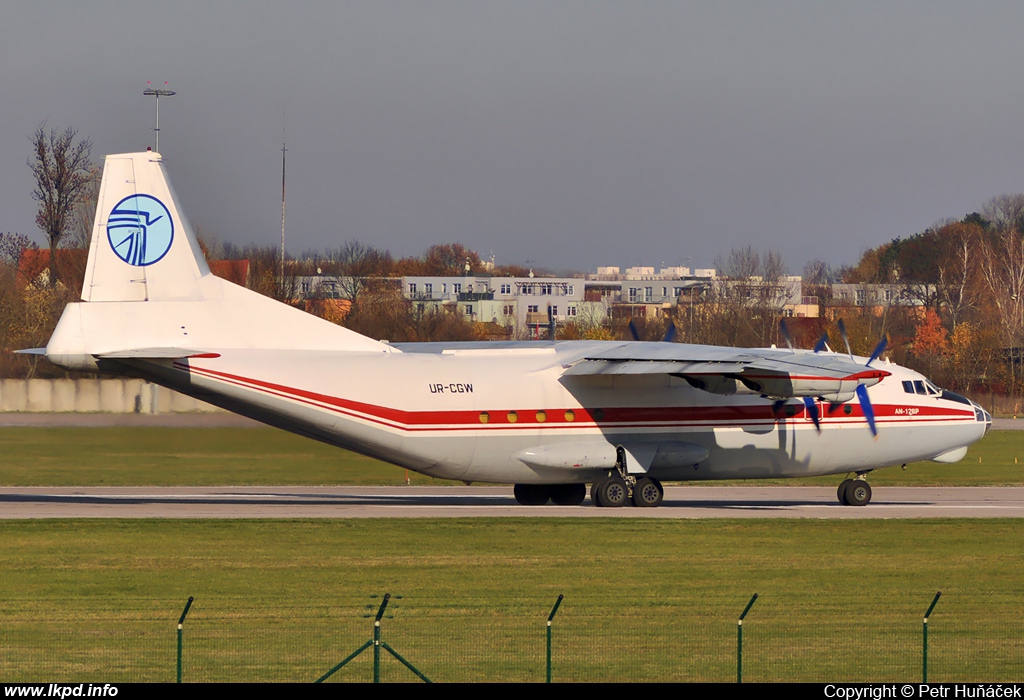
31 351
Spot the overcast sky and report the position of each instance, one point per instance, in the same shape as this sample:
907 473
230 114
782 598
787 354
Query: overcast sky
573 134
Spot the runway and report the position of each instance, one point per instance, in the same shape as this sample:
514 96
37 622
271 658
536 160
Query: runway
496 502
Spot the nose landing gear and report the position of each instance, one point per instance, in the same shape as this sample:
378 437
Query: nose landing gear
855 492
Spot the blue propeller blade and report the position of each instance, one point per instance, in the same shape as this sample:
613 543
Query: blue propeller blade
865 406
785 333
632 330
822 342
812 409
670 333
879 349
846 338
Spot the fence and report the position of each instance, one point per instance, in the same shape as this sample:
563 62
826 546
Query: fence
94 395
452 639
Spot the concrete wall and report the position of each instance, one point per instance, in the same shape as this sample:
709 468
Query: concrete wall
94 395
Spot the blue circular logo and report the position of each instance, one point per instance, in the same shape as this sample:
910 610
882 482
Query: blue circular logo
140 230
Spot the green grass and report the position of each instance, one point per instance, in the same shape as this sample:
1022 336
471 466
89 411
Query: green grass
183 457
263 456
996 460
644 600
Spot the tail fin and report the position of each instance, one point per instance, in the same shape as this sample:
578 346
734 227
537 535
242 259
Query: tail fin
161 299
143 248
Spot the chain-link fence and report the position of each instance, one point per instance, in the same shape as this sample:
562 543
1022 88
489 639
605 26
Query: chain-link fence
461 639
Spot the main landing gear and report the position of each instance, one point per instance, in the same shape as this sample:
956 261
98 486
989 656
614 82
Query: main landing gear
855 492
614 491
610 491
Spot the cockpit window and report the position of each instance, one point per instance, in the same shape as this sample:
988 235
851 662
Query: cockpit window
932 389
908 387
919 387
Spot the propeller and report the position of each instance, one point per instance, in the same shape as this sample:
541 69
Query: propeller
670 334
784 331
822 343
812 410
810 404
865 406
879 349
632 330
862 391
846 338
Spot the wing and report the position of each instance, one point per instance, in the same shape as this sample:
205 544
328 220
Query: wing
779 374
154 354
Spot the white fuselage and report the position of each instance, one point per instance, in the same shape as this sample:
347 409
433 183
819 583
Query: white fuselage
468 413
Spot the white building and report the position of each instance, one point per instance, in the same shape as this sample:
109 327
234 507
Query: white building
523 303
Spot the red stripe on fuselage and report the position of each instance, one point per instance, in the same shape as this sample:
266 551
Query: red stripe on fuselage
626 416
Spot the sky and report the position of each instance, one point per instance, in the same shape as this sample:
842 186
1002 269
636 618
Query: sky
563 135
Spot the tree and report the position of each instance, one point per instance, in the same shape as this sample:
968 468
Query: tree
62 166
930 342
450 259
357 264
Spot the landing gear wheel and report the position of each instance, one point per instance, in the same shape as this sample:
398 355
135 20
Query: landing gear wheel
647 493
613 492
595 492
568 494
841 492
858 493
532 494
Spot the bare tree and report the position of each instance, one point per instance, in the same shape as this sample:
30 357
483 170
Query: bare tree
1005 211
356 265
959 291
1002 266
63 170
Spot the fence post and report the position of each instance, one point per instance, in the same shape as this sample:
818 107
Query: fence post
377 643
739 640
376 638
550 618
924 639
181 624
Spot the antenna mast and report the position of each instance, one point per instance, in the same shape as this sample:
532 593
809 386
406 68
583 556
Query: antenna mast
158 93
283 151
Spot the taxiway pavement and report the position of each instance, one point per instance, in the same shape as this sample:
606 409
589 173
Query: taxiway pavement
496 502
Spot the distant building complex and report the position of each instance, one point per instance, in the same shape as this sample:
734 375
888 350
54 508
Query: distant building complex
527 306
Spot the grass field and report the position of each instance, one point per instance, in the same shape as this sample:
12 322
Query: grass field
264 456
644 600
97 600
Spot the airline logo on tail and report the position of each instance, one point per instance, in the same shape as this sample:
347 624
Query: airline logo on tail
140 230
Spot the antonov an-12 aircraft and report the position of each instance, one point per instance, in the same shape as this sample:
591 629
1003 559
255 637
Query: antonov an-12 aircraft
549 417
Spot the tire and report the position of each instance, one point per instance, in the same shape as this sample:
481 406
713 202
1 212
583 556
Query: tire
841 492
532 494
613 492
647 493
568 494
858 493
595 492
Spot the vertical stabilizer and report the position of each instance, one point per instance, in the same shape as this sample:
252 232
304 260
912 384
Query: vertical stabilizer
143 248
